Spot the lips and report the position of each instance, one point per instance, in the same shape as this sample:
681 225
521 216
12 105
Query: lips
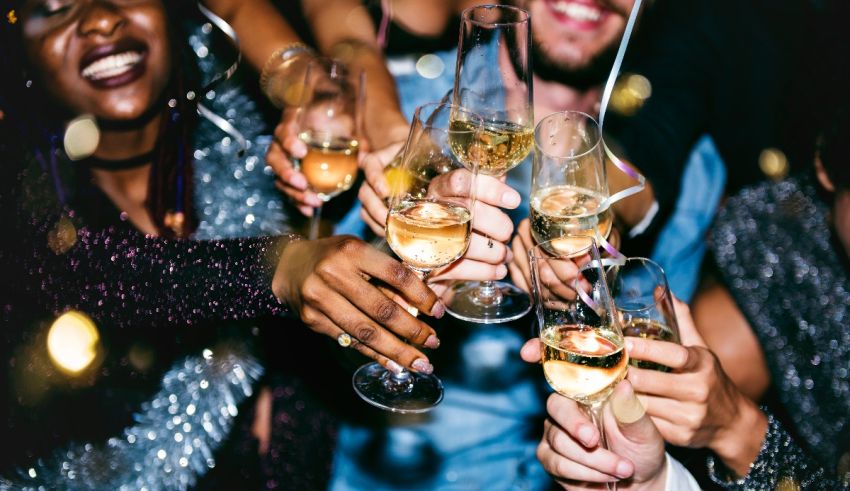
579 14
114 64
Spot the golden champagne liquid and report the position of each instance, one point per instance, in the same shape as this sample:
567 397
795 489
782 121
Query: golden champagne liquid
648 329
497 147
581 363
428 234
330 165
558 211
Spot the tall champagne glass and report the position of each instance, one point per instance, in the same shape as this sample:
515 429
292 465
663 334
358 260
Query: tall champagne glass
428 228
329 123
582 345
493 79
644 303
569 186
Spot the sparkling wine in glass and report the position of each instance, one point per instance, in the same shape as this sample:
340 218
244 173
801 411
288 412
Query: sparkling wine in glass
582 345
428 228
329 125
493 80
569 186
644 303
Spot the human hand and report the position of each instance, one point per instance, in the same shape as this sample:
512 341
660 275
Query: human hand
375 188
570 448
520 268
286 146
697 404
328 282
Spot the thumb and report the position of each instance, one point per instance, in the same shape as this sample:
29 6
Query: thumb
687 328
632 421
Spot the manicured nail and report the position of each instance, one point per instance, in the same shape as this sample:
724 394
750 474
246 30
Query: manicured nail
299 181
422 366
624 469
432 342
585 434
509 257
511 199
438 310
626 406
501 271
394 367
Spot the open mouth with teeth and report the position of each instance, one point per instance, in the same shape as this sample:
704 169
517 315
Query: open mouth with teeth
115 64
582 14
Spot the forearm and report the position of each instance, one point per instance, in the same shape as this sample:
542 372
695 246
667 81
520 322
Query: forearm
260 26
344 29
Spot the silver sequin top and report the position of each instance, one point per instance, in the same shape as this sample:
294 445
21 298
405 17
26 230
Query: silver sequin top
780 260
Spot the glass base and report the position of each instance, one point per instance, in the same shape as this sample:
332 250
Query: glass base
407 393
474 301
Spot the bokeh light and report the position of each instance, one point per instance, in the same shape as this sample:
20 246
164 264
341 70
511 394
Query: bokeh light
430 66
630 93
81 137
62 236
73 342
773 163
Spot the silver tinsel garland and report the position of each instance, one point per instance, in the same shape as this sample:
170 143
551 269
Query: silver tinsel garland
172 443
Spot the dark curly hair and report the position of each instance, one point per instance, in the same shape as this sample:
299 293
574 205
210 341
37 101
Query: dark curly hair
37 123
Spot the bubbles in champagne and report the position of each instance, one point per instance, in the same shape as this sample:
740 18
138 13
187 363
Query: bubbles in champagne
496 147
558 211
428 234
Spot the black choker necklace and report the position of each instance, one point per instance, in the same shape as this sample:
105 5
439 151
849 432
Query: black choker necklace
120 164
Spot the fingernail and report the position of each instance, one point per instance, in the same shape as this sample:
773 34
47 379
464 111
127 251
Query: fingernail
585 434
629 345
439 310
509 257
315 201
394 367
432 342
625 405
501 271
299 181
422 366
624 469
511 199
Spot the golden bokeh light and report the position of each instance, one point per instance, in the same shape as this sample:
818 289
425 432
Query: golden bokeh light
81 137
773 163
62 237
399 180
630 93
787 484
73 342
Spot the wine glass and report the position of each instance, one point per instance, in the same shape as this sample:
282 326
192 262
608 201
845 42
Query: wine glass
644 303
569 185
493 79
427 228
329 124
582 345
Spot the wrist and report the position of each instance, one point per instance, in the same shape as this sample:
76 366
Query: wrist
282 258
739 444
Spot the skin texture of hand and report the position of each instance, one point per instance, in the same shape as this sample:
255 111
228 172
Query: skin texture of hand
570 450
331 284
696 405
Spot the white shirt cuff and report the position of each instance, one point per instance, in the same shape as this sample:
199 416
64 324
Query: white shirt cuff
678 478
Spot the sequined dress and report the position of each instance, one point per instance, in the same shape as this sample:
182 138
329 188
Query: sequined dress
156 428
789 276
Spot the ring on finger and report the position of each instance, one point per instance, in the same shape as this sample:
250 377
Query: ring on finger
344 340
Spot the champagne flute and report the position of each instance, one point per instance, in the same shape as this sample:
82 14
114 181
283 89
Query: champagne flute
493 79
569 185
427 229
329 125
644 303
582 345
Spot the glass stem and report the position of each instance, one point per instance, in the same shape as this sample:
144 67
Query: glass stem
488 292
314 223
595 412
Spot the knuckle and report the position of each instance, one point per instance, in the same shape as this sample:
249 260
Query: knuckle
366 334
350 245
311 292
385 311
400 274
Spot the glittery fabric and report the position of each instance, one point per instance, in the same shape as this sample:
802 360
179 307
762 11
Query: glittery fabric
174 437
780 260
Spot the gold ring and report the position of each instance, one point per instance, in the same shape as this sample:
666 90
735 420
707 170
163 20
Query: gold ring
344 340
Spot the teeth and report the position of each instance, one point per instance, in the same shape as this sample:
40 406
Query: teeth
578 11
112 65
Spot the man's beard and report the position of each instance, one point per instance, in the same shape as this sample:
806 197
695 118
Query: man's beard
582 78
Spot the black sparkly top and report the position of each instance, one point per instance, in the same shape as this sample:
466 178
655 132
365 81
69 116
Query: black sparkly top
789 276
